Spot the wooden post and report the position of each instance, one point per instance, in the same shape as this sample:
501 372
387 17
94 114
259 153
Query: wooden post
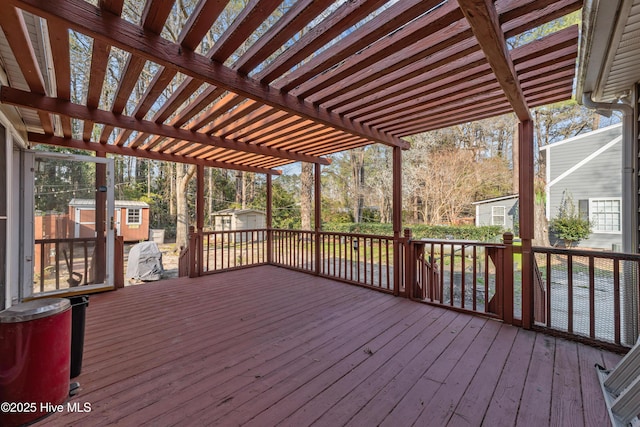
269 220
200 216
193 257
317 215
526 209
118 259
100 256
397 218
507 278
409 265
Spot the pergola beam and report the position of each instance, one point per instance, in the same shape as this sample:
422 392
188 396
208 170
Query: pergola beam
34 101
86 18
485 23
132 152
59 42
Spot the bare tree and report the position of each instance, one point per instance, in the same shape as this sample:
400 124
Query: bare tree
183 176
306 191
356 158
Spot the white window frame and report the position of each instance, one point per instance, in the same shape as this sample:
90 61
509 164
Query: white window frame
504 215
139 216
592 212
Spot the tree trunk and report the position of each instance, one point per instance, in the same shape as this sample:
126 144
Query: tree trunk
357 176
172 189
239 188
210 192
306 190
540 223
182 222
244 190
540 226
515 151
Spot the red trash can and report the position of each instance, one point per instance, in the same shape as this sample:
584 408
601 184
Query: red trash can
35 344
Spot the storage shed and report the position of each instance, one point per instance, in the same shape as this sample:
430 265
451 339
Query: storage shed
131 219
239 219
502 211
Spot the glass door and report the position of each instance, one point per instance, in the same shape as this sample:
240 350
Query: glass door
73 224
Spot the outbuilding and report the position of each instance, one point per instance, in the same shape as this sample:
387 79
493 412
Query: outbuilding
239 219
131 218
501 211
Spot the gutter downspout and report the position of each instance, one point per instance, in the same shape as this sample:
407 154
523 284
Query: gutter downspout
629 210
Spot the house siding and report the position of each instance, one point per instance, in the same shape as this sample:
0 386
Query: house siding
598 178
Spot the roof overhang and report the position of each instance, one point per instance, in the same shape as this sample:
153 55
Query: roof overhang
609 58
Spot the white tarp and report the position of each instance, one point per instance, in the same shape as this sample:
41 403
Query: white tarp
145 262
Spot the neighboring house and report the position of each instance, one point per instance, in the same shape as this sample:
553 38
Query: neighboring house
131 219
587 167
502 211
239 219
608 80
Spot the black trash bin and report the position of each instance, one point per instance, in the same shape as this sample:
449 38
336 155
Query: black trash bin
78 313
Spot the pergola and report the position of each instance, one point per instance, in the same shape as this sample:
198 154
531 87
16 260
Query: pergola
320 80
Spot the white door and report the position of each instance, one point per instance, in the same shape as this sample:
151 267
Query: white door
65 260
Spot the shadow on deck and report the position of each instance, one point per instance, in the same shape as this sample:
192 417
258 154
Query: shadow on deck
266 345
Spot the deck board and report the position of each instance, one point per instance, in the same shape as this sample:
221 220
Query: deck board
267 346
535 406
471 407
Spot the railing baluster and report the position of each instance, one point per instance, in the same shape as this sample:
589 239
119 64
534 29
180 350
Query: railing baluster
358 259
592 300
463 278
548 287
451 275
351 259
386 251
43 249
616 300
371 247
486 281
70 262
208 251
57 249
570 293
475 278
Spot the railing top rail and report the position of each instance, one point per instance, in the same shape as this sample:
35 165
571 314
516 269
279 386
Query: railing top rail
587 253
359 235
211 232
68 239
458 242
336 233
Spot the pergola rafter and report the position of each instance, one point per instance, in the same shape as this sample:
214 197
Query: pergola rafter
315 81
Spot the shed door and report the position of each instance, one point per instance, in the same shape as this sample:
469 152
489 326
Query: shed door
69 256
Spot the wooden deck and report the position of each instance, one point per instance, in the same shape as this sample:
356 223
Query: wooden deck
267 346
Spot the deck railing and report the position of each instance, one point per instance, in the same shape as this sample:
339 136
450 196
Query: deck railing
69 262
229 250
590 294
464 275
361 259
63 263
294 249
